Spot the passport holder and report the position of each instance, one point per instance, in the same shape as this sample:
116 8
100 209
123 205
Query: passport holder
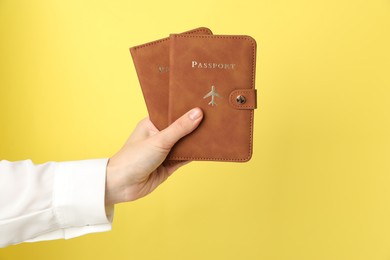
217 74
151 61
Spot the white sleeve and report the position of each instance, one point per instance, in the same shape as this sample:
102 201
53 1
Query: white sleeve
52 200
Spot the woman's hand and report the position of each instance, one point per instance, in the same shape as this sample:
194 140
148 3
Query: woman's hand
140 166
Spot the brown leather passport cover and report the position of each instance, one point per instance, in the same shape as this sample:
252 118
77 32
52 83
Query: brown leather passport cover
151 61
217 74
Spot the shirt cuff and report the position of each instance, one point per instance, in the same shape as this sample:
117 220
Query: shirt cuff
79 197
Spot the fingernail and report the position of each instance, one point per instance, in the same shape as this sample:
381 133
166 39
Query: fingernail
195 114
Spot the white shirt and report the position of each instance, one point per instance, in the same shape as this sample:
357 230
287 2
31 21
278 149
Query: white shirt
52 200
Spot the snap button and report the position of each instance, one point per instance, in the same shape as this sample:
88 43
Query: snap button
240 99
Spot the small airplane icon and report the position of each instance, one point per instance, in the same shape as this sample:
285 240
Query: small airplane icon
212 94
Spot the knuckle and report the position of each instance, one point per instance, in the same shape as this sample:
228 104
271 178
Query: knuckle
179 125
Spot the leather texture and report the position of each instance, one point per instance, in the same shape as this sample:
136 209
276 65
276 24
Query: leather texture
210 72
151 61
248 95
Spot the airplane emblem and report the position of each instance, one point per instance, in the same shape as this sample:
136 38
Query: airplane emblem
212 94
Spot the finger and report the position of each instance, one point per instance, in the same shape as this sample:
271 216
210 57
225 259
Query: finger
180 128
144 129
173 166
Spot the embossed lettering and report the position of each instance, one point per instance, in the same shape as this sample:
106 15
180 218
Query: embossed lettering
212 65
162 69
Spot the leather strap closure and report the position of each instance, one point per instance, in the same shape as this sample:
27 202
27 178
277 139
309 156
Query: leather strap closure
245 99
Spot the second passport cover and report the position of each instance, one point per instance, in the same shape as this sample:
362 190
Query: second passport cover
151 61
217 74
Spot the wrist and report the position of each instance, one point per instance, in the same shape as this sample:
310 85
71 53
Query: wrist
114 191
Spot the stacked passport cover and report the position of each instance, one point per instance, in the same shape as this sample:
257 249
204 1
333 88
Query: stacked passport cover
213 72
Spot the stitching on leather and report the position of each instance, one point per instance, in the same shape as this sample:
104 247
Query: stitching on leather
253 87
249 91
166 39
211 158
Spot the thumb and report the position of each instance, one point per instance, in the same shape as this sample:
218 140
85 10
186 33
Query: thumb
180 128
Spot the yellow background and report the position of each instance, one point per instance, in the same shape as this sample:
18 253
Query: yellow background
318 186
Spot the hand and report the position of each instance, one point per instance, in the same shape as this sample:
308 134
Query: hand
140 166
